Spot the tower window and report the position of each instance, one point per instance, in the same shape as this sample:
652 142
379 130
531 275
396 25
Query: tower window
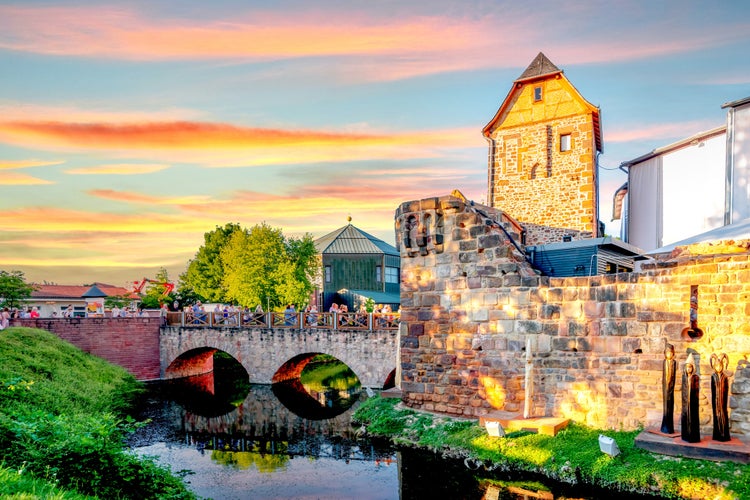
565 142
537 93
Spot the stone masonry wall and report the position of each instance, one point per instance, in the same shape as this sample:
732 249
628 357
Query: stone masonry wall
531 178
471 304
540 235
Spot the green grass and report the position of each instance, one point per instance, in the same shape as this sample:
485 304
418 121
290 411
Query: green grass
15 485
63 422
573 456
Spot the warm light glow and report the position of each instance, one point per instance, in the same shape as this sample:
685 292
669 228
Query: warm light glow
495 393
584 404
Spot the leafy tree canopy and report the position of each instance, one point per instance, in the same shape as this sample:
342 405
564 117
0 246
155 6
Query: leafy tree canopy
14 289
261 266
155 291
205 273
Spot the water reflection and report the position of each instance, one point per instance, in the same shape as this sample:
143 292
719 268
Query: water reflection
281 442
262 449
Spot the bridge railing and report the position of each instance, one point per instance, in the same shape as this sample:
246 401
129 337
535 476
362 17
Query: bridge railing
324 320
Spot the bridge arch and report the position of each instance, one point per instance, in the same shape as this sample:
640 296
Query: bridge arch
371 355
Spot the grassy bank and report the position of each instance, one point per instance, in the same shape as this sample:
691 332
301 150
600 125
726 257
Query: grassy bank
572 457
62 424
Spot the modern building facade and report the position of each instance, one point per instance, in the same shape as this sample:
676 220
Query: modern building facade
358 266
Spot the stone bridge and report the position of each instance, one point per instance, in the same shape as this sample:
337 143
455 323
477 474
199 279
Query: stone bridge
270 352
271 355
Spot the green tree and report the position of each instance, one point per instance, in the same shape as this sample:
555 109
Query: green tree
205 273
156 290
13 288
184 294
261 266
117 300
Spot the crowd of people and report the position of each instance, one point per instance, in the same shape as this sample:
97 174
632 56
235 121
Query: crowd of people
8 314
231 315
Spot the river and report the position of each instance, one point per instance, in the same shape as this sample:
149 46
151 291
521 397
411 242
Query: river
283 442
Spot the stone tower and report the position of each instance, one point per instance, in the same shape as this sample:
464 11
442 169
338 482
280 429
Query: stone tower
543 147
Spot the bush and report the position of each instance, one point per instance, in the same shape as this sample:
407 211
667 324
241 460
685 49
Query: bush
60 421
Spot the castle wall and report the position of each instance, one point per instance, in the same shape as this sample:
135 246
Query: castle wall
470 304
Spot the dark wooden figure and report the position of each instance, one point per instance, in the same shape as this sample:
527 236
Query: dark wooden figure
668 378
691 427
720 397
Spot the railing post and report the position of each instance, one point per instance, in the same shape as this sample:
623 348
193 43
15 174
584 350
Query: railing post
335 321
370 318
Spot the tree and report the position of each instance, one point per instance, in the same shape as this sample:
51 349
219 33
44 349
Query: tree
261 266
117 300
155 293
184 294
14 289
205 273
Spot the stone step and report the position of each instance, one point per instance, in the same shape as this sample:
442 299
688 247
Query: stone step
734 450
510 422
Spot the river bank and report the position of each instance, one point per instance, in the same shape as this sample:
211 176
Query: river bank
63 419
572 457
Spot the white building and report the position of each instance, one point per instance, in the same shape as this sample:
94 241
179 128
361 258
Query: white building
688 187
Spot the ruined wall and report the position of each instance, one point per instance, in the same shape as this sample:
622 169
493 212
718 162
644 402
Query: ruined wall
470 304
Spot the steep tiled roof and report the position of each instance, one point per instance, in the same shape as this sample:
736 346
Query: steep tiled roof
77 291
540 66
351 240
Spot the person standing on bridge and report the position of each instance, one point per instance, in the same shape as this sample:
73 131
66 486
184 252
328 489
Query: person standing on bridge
4 319
289 315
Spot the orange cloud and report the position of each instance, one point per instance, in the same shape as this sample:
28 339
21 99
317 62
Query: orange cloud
16 164
118 169
56 220
18 179
219 144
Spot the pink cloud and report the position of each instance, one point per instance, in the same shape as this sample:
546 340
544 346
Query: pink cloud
381 48
659 131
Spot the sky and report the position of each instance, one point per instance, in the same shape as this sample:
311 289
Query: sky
130 129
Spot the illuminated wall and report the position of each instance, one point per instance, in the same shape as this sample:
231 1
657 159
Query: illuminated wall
470 302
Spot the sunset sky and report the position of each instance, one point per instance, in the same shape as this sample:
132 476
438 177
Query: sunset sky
128 130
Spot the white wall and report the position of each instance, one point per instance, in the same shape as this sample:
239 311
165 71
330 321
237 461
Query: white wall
677 194
694 189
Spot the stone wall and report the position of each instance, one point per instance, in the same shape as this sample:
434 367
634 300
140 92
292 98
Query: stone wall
132 343
541 235
471 305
